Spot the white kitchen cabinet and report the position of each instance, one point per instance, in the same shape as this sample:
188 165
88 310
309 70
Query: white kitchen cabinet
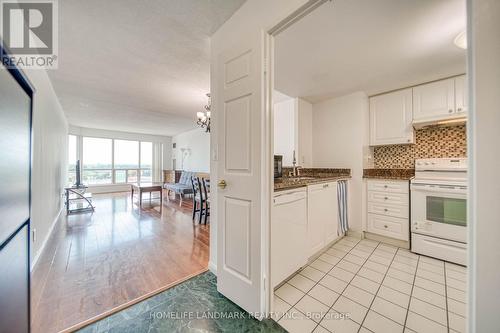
434 101
322 215
440 100
391 118
461 95
388 208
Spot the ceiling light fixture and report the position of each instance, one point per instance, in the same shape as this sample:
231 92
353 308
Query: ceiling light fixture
461 40
204 117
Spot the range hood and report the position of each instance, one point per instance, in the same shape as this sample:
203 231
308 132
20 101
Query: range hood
445 122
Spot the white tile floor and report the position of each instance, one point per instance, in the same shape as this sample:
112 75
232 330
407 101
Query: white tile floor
366 286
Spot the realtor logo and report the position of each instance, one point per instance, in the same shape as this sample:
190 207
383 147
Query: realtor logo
29 33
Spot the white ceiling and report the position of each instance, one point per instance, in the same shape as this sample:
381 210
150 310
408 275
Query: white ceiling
136 65
366 45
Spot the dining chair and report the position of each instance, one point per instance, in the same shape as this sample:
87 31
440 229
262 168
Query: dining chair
206 197
197 203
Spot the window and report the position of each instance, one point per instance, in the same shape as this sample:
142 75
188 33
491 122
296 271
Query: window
110 161
126 161
72 158
97 161
146 162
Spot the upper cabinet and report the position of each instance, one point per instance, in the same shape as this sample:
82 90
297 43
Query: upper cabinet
461 96
440 100
391 118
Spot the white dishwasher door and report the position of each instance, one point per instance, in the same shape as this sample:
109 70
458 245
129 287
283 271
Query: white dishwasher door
288 234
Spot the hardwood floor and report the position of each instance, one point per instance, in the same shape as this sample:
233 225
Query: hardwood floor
96 262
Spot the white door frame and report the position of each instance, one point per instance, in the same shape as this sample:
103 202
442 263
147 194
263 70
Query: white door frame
268 149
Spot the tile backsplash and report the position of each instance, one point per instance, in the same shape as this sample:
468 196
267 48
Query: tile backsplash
430 142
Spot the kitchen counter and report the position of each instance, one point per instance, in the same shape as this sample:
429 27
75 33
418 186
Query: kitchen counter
390 174
310 176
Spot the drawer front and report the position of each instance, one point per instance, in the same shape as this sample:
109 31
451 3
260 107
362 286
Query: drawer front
388 186
388 198
388 226
388 210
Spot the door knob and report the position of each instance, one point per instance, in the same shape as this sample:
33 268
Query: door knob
222 184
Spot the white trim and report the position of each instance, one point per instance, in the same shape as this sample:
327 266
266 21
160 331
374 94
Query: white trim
51 230
212 267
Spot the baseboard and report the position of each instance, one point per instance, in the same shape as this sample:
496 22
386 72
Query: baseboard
387 240
51 229
212 267
355 234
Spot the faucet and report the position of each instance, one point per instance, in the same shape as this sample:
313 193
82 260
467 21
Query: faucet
295 169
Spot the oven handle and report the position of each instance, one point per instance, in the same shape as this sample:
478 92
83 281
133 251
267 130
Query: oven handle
439 188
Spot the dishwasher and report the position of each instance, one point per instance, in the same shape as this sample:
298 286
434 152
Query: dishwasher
288 234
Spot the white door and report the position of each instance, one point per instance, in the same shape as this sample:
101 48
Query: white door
239 112
461 98
434 101
391 118
332 217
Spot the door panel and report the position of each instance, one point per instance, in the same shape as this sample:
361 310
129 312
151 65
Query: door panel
434 101
391 118
239 109
14 285
15 159
461 95
237 237
238 144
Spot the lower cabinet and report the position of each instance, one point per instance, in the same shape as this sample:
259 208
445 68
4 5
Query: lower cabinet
388 208
322 215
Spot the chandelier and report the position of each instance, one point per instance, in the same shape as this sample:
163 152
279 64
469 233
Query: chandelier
204 117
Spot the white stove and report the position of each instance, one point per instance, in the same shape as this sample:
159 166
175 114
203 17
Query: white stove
439 209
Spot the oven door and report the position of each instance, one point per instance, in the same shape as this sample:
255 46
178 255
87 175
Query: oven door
439 211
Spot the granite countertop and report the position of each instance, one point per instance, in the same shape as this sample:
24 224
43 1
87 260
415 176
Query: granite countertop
391 174
310 176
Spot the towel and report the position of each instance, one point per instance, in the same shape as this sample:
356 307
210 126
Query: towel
342 202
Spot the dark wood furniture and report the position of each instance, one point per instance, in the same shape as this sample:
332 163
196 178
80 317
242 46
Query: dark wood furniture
147 188
201 198
171 176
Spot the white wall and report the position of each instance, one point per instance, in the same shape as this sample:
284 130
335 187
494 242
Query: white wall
197 153
339 139
50 134
285 130
484 163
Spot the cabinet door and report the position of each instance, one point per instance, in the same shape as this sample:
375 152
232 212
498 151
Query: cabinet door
461 96
391 118
332 216
434 101
315 210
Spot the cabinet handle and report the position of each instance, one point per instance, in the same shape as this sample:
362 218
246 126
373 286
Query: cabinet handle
385 186
386 198
385 209
325 186
385 226
450 111
459 109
